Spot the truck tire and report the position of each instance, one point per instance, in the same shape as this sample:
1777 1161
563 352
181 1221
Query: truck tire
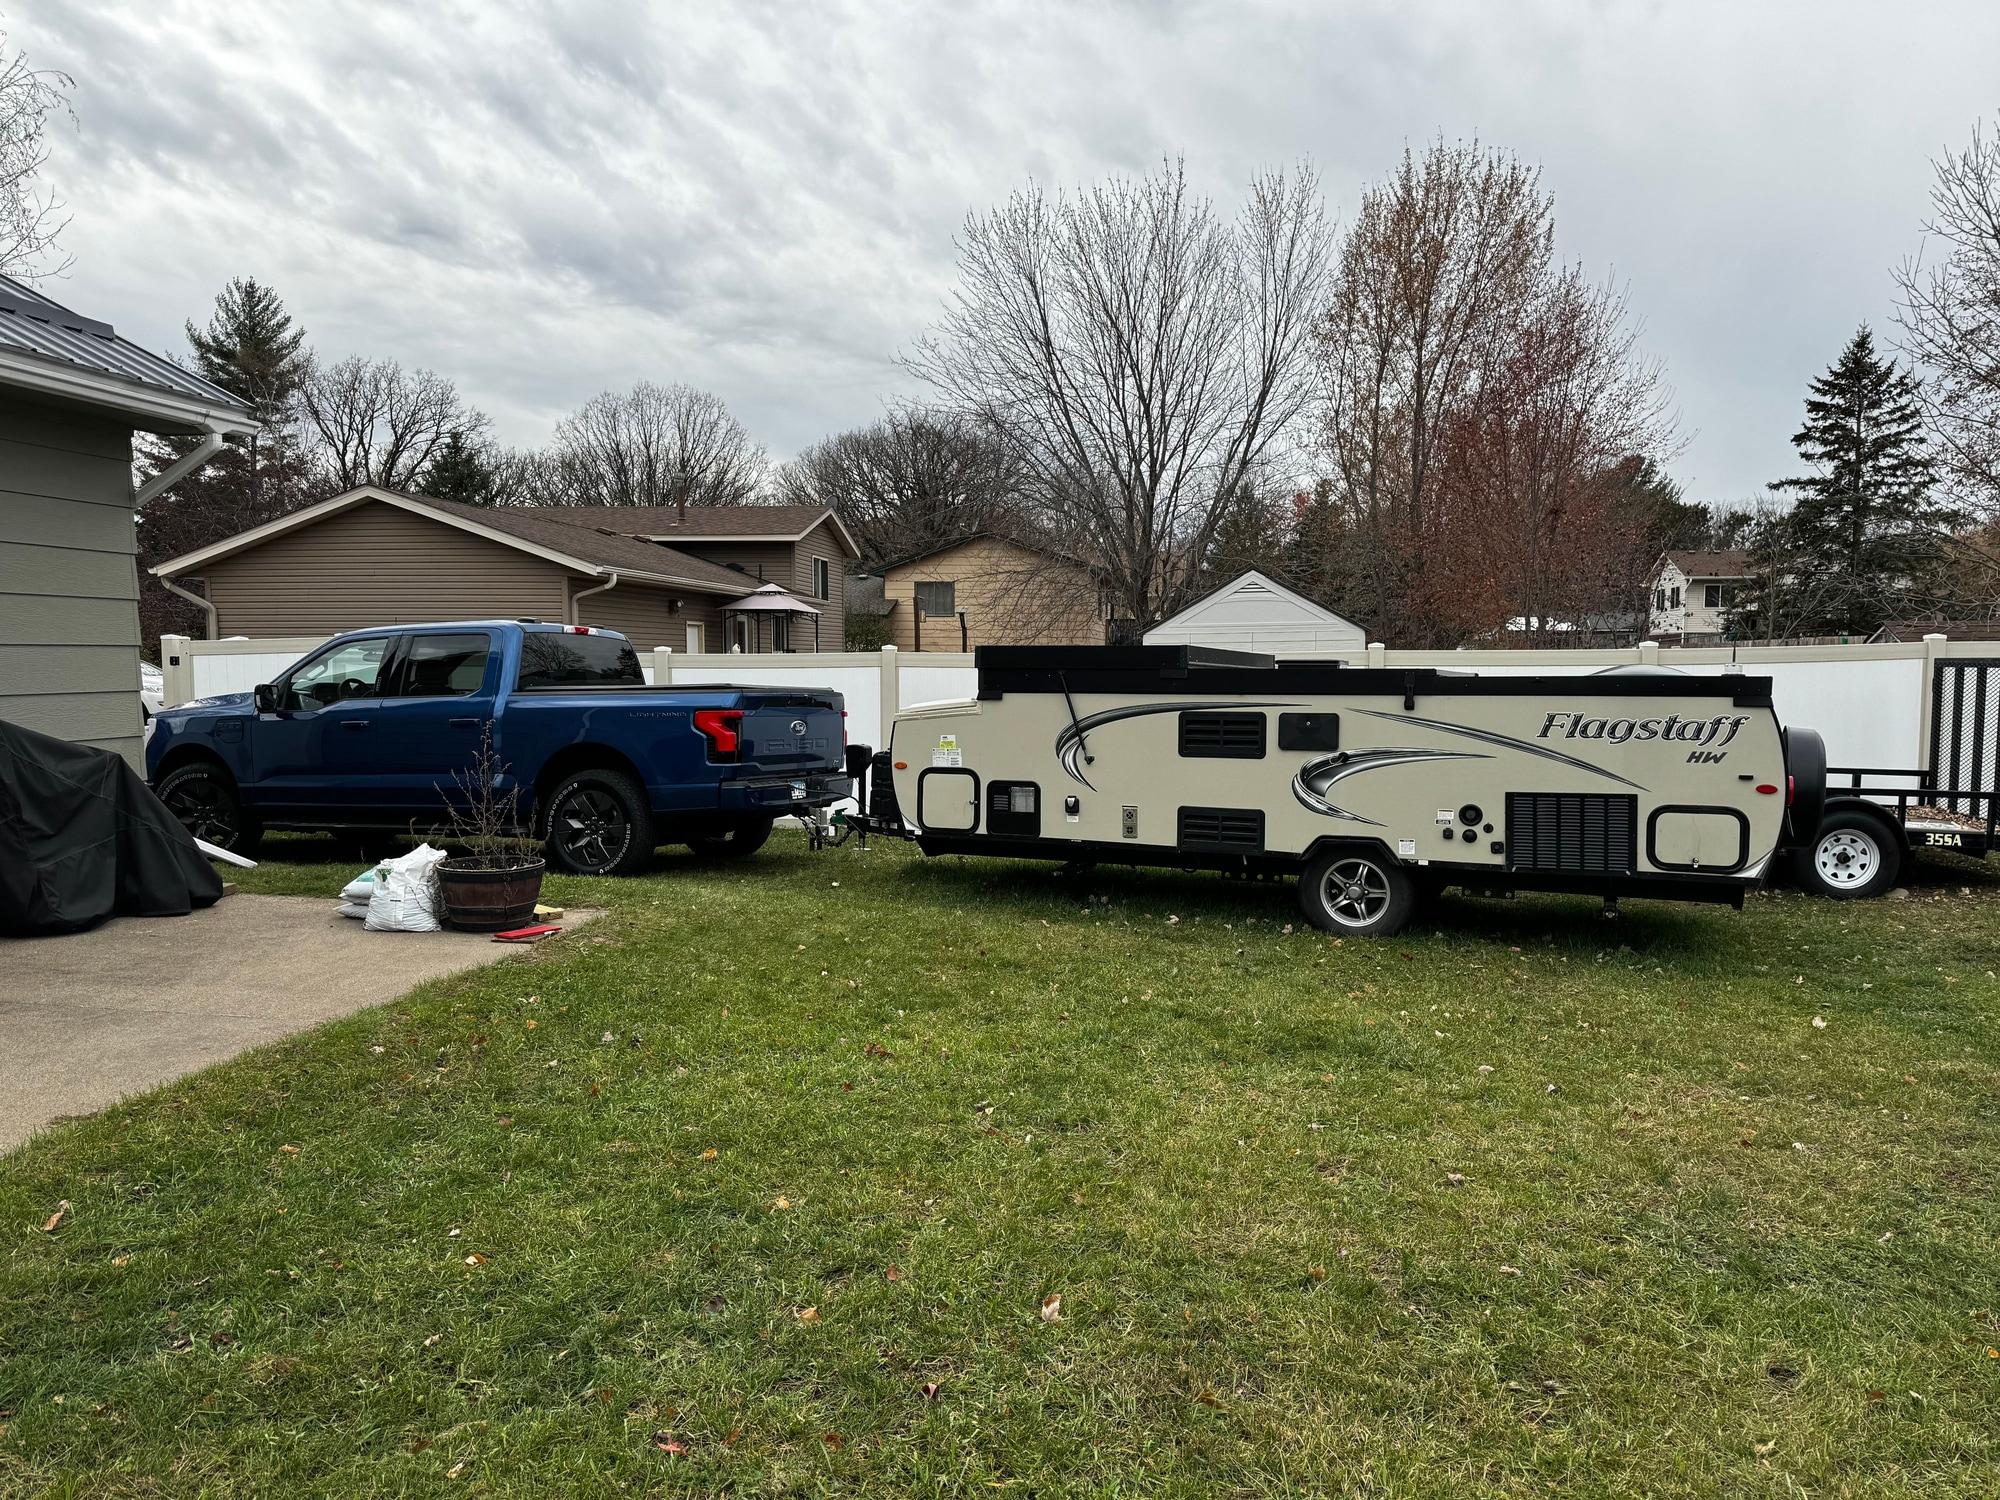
598 822
205 799
1358 892
1854 855
738 842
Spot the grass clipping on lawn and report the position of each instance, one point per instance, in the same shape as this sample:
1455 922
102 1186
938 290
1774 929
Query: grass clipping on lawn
860 1172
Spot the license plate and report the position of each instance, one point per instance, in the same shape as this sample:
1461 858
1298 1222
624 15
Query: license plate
798 791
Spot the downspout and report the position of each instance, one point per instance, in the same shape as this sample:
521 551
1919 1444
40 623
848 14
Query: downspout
576 598
165 480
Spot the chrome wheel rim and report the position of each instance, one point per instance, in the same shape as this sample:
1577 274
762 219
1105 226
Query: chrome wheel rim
1355 892
1847 858
590 830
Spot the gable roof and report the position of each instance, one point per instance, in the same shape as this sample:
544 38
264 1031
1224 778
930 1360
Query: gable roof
722 523
50 351
1253 583
556 535
1911 631
940 548
1728 563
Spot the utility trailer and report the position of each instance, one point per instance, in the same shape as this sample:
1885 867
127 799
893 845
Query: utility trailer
1878 818
1375 787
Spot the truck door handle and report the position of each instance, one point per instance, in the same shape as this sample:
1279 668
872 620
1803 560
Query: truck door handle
353 723
462 723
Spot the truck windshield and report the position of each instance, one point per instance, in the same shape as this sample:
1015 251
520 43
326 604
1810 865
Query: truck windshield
549 659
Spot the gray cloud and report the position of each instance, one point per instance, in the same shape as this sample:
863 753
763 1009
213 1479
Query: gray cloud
547 201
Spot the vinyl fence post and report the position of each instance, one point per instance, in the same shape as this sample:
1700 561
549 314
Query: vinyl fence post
1927 701
663 666
1377 654
176 670
1649 653
892 695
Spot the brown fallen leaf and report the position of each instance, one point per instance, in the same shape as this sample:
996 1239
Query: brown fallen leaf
121 1261
930 1390
475 1259
1455 1179
782 1203
892 1274
710 1154
1052 1308
457 1469
289 1150
50 1224
667 1443
531 1023
806 1314
833 1440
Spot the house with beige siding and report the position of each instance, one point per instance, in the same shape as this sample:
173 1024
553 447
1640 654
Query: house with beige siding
661 576
71 395
988 591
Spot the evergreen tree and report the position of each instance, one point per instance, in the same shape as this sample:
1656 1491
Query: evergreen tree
1248 534
464 471
1865 538
251 349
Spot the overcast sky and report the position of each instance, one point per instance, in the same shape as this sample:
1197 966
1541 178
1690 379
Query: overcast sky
543 202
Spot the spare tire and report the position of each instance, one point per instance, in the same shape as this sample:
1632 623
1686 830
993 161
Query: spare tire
1805 784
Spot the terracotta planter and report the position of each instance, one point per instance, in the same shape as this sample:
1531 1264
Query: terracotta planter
489 893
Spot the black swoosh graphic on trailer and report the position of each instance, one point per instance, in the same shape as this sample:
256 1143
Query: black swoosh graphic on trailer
1070 741
1489 737
1315 777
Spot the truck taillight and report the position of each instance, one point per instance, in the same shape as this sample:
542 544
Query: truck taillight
719 727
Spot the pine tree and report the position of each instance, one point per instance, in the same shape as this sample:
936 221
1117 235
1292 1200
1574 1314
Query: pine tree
1865 538
250 348
462 471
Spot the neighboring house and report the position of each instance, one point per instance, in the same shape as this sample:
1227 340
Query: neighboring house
381 557
71 395
1255 613
1910 632
1693 592
989 591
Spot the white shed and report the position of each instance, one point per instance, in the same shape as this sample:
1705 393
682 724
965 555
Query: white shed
1253 613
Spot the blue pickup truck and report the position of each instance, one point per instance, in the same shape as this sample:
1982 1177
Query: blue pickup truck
370 730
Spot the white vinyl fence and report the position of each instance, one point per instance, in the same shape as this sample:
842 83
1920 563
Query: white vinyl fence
1871 703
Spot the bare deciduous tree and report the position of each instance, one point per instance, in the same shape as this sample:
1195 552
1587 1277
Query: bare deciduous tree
910 481
1949 317
651 445
376 423
30 218
1139 357
1442 261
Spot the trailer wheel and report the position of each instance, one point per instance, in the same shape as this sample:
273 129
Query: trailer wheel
737 842
1853 856
1356 891
598 822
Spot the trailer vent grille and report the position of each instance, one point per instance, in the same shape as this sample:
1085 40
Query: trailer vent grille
1223 736
1572 831
1235 830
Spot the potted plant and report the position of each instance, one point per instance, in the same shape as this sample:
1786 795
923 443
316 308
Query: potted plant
493 877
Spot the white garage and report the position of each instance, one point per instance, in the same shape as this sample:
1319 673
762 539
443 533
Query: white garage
1254 613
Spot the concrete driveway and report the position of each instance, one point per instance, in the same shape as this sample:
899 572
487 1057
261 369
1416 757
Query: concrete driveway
91 1017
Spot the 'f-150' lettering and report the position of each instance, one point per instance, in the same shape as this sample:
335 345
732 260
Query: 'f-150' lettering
1716 732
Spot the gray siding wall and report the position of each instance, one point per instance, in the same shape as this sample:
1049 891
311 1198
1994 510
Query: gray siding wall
640 612
69 585
789 564
375 564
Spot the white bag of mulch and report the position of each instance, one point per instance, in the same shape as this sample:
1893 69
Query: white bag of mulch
405 895
355 909
357 891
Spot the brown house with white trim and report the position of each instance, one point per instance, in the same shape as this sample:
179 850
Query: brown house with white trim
989 591
662 577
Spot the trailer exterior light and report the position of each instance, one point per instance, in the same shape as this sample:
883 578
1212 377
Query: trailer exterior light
1765 789
719 727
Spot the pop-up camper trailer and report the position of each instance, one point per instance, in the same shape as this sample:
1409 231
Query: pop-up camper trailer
1372 785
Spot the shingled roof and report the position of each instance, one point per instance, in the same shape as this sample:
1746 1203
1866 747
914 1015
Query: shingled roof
1729 563
717 523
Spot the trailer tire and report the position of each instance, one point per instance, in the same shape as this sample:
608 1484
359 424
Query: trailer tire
1854 855
739 841
1357 892
204 797
598 822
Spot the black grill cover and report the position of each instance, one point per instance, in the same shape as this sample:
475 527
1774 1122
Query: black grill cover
83 838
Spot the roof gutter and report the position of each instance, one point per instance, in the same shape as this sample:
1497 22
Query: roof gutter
576 598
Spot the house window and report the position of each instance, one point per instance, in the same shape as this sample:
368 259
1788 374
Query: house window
820 581
1659 598
1711 596
1675 601
936 599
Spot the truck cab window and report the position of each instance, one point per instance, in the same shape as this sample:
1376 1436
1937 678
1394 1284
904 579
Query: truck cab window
443 666
350 670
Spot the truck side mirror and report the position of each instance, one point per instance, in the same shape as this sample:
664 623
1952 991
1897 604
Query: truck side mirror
265 697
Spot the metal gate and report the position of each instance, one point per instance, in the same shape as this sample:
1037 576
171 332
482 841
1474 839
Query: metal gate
1965 730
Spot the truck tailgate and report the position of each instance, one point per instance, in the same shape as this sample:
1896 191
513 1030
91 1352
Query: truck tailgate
785 732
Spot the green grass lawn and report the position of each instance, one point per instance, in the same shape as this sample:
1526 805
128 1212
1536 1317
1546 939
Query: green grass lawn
759 1184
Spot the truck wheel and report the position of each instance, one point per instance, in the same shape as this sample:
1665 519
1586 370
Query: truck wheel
1854 855
739 842
205 799
1356 891
598 822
